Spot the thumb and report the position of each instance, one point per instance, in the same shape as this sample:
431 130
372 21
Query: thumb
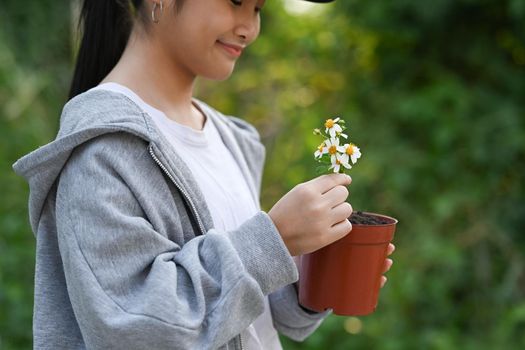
325 183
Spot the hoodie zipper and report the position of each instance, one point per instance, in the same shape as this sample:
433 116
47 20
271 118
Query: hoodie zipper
188 200
184 193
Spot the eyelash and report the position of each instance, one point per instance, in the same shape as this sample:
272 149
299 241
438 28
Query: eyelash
239 3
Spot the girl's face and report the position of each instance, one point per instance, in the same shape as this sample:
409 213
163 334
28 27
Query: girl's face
206 37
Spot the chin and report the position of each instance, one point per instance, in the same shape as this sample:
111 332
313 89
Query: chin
219 74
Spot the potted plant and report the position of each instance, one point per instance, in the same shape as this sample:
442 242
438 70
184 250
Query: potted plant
345 276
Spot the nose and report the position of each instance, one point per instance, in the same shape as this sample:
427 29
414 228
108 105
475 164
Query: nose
248 25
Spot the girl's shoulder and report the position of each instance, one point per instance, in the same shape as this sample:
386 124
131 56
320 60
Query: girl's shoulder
102 109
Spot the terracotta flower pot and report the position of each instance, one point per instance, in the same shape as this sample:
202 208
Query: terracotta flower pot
346 275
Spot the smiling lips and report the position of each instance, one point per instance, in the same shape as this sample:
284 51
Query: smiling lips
232 49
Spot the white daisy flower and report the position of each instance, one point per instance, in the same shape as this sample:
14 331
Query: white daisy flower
340 159
332 128
333 147
321 150
343 157
351 152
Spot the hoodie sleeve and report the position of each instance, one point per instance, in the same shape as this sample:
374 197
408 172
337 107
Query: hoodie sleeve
131 287
290 318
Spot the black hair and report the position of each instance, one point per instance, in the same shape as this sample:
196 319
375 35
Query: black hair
106 27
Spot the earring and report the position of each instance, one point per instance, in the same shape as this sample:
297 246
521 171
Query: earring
154 18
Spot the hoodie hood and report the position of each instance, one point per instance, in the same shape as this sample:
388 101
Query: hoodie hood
115 112
42 167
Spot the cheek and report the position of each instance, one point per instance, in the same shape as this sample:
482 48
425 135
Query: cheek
192 44
197 37
183 41
257 32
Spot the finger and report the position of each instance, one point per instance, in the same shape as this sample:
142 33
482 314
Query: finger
324 183
391 248
338 231
341 212
335 196
383 281
388 265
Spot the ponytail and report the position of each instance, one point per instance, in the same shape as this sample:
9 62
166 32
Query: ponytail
106 29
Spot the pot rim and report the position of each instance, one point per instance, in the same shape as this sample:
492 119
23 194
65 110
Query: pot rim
394 221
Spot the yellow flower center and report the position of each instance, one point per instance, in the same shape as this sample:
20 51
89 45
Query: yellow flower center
321 146
332 150
350 150
329 123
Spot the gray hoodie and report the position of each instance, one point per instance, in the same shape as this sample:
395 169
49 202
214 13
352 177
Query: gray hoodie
127 256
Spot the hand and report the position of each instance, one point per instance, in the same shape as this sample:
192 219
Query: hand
388 263
313 214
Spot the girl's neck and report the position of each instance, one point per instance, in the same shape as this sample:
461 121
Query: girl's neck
145 69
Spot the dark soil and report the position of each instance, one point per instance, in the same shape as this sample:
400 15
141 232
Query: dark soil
360 218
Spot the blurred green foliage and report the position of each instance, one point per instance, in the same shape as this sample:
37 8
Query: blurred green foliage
433 93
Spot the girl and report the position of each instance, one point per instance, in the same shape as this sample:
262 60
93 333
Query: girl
145 207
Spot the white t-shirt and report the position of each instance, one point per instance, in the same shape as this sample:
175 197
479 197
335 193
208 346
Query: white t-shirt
224 188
